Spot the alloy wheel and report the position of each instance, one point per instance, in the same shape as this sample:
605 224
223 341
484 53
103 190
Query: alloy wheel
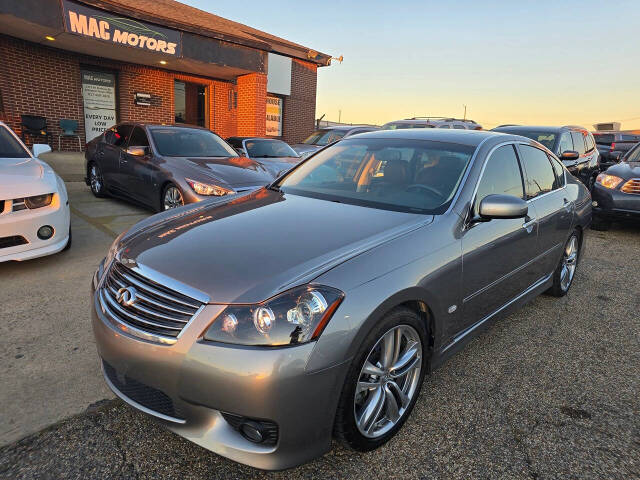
95 179
388 381
569 261
172 198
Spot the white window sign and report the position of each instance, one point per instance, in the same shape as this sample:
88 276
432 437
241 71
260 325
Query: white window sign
99 99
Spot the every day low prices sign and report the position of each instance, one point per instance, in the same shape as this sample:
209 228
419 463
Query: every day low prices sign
99 99
274 116
112 28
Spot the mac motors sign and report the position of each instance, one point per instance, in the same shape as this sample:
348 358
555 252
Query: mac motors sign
101 25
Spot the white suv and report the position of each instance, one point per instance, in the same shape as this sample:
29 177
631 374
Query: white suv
432 122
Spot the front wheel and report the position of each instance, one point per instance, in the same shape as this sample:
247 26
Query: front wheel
171 197
566 270
96 181
383 382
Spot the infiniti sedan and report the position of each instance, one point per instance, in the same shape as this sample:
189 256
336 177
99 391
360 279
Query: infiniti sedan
264 323
165 167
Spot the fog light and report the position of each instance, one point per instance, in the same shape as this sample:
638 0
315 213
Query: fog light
45 232
252 432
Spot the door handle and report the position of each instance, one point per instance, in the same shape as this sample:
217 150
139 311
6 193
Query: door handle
528 224
567 205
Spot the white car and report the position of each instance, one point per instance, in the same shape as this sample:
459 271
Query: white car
34 206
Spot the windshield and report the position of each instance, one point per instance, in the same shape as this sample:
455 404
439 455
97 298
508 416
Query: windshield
268 149
548 139
604 138
10 147
190 142
324 137
403 126
407 175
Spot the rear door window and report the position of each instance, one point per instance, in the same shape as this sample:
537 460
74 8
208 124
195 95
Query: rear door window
540 176
578 142
589 141
559 171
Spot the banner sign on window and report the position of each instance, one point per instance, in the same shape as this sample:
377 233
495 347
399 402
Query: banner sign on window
108 27
274 116
99 99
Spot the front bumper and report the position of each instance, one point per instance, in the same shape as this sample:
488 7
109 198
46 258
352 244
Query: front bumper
26 223
614 203
204 379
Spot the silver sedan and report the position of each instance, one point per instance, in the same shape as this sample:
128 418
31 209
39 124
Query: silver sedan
264 324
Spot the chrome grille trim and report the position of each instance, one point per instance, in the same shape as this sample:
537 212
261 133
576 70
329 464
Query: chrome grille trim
631 186
159 314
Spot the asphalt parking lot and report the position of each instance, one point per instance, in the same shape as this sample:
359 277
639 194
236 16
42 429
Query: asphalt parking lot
552 391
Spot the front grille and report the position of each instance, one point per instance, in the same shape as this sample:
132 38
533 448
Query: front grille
1 206
147 396
632 186
13 241
145 304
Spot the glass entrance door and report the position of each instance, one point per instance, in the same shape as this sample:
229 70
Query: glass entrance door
190 100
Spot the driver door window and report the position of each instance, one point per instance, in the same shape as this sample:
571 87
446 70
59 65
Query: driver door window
138 138
565 143
501 175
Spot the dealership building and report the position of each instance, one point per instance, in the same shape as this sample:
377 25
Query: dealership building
100 62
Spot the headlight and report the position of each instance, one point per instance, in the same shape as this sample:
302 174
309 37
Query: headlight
293 317
608 181
206 189
38 201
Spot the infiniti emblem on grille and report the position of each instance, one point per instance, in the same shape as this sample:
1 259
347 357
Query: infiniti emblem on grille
127 296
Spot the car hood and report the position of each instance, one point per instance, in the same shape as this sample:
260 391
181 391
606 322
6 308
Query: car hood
24 177
255 245
233 171
625 170
304 147
278 165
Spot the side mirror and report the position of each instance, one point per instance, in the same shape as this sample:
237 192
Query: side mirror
615 156
137 151
502 206
569 155
40 148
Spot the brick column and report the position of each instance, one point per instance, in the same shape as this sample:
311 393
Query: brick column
252 105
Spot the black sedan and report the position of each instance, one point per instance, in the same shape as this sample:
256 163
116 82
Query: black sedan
274 155
165 167
616 193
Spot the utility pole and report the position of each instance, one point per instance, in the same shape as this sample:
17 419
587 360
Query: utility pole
465 112
339 115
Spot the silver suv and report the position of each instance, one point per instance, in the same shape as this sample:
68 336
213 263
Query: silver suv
433 122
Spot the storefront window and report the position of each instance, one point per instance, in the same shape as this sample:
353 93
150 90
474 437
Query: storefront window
274 116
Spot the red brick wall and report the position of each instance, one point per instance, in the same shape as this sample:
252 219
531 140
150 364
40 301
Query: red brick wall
252 105
41 80
300 107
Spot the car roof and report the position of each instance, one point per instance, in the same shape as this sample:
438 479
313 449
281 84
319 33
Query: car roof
253 138
464 137
538 128
346 127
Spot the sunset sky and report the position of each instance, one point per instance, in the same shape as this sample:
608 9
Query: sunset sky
548 62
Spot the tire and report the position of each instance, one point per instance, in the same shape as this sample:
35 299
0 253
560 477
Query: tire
566 269
354 400
171 197
68 245
96 180
600 224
